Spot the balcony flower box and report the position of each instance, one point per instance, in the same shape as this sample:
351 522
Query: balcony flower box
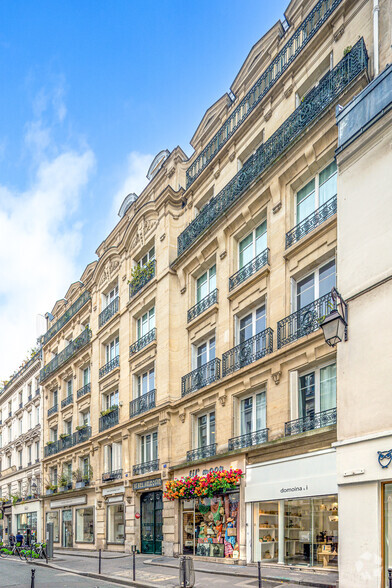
82 484
109 410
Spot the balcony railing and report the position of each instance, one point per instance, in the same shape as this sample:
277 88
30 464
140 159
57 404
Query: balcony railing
108 420
23 369
82 435
68 400
143 341
109 311
201 452
249 439
304 321
312 221
249 269
310 422
146 467
67 441
316 102
114 475
83 391
109 366
200 377
304 33
76 306
65 354
53 409
146 274
202 305
247 352
142 403
51 448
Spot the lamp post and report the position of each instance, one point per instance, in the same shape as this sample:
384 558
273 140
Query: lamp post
334 325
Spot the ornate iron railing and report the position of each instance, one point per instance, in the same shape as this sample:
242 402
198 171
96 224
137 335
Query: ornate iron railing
203 304
109 366
65 442
312 221
310 422
147 274
247 352
249 439
109 476
304 321
108 420
68 441
308 112
109 311
82 435
200 377
249 269
305 32
84 390
146 467
67 400
53 409
143 341
73 309
142 403
23 369
51 449
201 452
65 354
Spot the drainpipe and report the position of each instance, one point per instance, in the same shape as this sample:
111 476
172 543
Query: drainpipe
376 10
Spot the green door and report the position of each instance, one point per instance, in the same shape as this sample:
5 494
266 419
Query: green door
151 522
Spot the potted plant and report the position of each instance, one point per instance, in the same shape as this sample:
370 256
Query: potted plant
51 488
82 477
64 435
81 427
109 410
63 482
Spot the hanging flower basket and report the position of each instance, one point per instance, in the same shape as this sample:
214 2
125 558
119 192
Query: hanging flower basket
210 485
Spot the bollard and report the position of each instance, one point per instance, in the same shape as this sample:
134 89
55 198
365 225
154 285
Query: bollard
134 562
259 573
184 571
32 578
390 577
99 562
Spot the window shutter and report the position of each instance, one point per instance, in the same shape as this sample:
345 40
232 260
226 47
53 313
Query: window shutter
293 395
106 458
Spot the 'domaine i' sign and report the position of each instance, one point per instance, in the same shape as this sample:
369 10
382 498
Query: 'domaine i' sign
209 485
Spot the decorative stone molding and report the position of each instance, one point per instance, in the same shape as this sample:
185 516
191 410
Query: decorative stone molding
144 227
276 377
182 417
277 207
162 237
108 271
222 399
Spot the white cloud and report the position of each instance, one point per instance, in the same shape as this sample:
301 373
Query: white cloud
134 178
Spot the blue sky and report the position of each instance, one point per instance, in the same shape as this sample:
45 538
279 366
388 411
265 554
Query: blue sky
91 91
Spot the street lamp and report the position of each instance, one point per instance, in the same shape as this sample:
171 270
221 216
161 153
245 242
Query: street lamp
334 325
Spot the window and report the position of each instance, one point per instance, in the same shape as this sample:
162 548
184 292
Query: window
68 388
108 298
145 382
67 472
148 447
53 475
9 489
315 285
206 429
317 390
146 258
68 427
112 350
20 425
37 450
84 416
253 244
146 323
9 433
53 433
205 352
115 524
1 441
53 517
30 413
37 415
20 458
84 467
109 400
9 461
316 192
54 397
86 376
29 449
251 324
206 283
253 413
85 525
112 457
29 389
10 408
20 399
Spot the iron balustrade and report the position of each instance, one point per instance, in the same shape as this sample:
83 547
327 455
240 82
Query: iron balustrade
146 467
109 366
143 341
51 448
141 404
53 409
200 377
67 441
249 439
82 435
304 33
68 400
304 321
147 273
313 106
73 309
66 354
83 390
109 311
312 221
247 352
249 269
108 420
201 452
310 422
202 305
114 475
23 369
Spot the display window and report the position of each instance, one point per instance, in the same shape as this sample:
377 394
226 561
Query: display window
85 525
27 520
387 532
115 524
53 517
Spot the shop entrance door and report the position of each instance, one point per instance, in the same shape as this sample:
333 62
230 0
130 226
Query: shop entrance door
67 532
151 522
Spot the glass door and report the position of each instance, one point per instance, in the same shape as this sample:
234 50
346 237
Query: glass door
298 532
67 534
151 522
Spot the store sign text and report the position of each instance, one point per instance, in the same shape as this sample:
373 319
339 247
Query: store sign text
197 472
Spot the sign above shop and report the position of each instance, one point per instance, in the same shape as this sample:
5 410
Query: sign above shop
199 472
115 490
112 499
154 483
384 458
68 501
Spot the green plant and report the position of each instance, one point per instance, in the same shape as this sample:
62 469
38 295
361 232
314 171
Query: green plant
81 427
64 435
141 272
15 498
63 480
50 442
347 50
109 410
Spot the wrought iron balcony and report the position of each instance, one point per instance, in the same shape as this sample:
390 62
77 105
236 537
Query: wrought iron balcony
312 221
304 321
81 435
200 377
84 390
147 273
108 420
202 305
68 400
304 33
316 102
65 355
142 403
143 341
109 311
146 467
51 448
109 476
23 369
53 409
249 269
201 452
249 439
67 441
73 309
247 352
310 422
109 366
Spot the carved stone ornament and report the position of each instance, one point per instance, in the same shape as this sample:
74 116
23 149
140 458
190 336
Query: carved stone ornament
108 271
222 399
276 377
277 207
143 228
182 417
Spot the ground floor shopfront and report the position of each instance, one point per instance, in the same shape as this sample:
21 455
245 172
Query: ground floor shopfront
22 517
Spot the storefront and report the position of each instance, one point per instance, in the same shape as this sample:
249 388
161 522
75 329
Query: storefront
292 511
115 515
27 515
73 521
149 513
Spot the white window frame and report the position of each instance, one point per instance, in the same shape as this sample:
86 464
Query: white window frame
149 256
317 383
206 341
69 387
253 233
139 381
316 272
150 321
143 457
109 297
242 399
84 371
210 285
196 439
241 316
110 399
114 344
316 179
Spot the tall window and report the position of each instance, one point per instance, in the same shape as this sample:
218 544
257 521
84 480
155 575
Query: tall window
316 284
112 457
253 413
206 429
205 352
20 398
53 475
20 458
37 415
53 433
84 416
30 417
146 323
37 450
112 349
148 447
20 421
86 376
108 298
317 390
145 382
251 324
68 387
149 256
68 427
253 244
110 399
54 397
316 192
206 283
29 453
84 466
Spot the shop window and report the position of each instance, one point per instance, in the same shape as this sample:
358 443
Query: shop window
317 391
85 525
27 520
145 382
146 323
206 283
316 192
115 524
148 447
112 350
53 517
315 285
205 429
254 244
